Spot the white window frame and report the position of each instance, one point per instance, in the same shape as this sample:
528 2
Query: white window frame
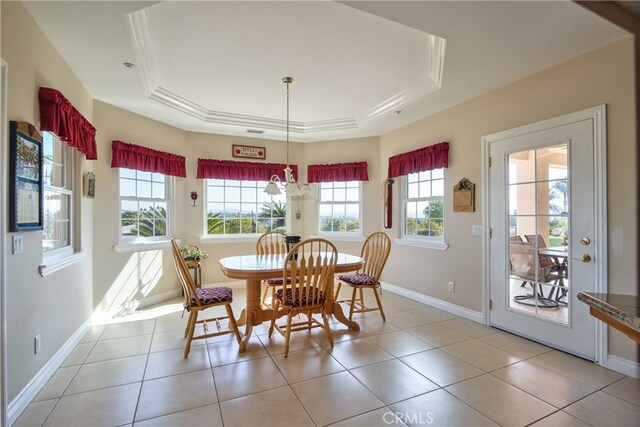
346 234
69 190
433 242
235 238
127 243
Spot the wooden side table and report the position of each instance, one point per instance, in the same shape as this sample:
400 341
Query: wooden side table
197 272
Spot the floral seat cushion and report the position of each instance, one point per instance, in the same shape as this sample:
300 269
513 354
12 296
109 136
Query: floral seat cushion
318 300
361 279
213 295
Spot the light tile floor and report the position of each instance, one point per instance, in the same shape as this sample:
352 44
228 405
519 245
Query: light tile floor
424 366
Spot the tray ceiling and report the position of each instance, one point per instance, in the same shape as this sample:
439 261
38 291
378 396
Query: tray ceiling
359 69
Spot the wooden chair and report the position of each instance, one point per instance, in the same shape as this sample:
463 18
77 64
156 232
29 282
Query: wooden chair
516 239
310 268
199 299
375 251
269 244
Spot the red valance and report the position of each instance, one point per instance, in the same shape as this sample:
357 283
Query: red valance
356 171
242 171
140 158
57 115
420 160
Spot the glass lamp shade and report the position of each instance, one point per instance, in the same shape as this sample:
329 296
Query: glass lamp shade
272 188
306 188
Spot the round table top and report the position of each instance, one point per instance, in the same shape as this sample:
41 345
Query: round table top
267 266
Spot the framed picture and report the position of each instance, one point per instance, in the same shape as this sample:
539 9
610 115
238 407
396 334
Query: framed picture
464 196
249 152
25 177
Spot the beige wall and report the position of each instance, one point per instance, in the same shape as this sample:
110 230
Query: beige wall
352 150
106 279
604 76
57 305
207 146
123 278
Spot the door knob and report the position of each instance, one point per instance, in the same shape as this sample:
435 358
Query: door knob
583 258
585 241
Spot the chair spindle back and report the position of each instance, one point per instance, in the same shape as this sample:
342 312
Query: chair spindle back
271 243
311 267
375 251
188 287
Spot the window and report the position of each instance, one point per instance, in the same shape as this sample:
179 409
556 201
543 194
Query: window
242 207
144 205
339 207
423 204
58 196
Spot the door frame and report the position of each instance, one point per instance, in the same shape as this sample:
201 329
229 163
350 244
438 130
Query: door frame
4 177
598 117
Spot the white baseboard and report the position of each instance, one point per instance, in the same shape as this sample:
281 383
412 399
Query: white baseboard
624 366
476 316
18 405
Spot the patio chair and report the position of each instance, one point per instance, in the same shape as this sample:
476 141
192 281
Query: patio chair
523 263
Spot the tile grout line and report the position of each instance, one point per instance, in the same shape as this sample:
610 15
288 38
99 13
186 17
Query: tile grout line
368 337
144 372
74 376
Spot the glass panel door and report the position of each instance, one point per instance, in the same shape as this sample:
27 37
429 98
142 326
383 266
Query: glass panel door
538 230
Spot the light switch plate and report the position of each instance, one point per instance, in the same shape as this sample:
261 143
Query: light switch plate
18 246
476 230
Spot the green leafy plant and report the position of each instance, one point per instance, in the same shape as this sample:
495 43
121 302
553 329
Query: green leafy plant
191 252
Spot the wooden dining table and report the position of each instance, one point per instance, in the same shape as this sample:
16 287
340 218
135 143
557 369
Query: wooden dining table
253 269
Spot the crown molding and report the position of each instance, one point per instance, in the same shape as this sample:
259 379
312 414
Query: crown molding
141 40
420 87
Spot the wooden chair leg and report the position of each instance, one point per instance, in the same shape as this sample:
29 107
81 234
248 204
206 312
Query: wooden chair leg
232 322
264 295
287 335
337 293
273 297
353 302
192 327
362 299
375 292
273 319
327 329
189 320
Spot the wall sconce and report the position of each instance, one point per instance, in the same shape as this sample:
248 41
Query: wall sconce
194 197
89 185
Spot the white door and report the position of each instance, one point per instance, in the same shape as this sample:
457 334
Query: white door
544 243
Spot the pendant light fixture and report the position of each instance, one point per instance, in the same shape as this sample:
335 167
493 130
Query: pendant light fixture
289 185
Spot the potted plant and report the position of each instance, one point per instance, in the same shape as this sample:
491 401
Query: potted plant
192 254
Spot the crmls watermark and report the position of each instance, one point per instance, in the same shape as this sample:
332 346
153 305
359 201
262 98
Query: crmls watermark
411 418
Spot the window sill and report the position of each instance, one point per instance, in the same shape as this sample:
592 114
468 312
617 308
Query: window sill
229 239
341 237
438 245
146 246
58 264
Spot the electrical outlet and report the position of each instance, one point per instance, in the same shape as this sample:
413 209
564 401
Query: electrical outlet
18 246
452 286
36 344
